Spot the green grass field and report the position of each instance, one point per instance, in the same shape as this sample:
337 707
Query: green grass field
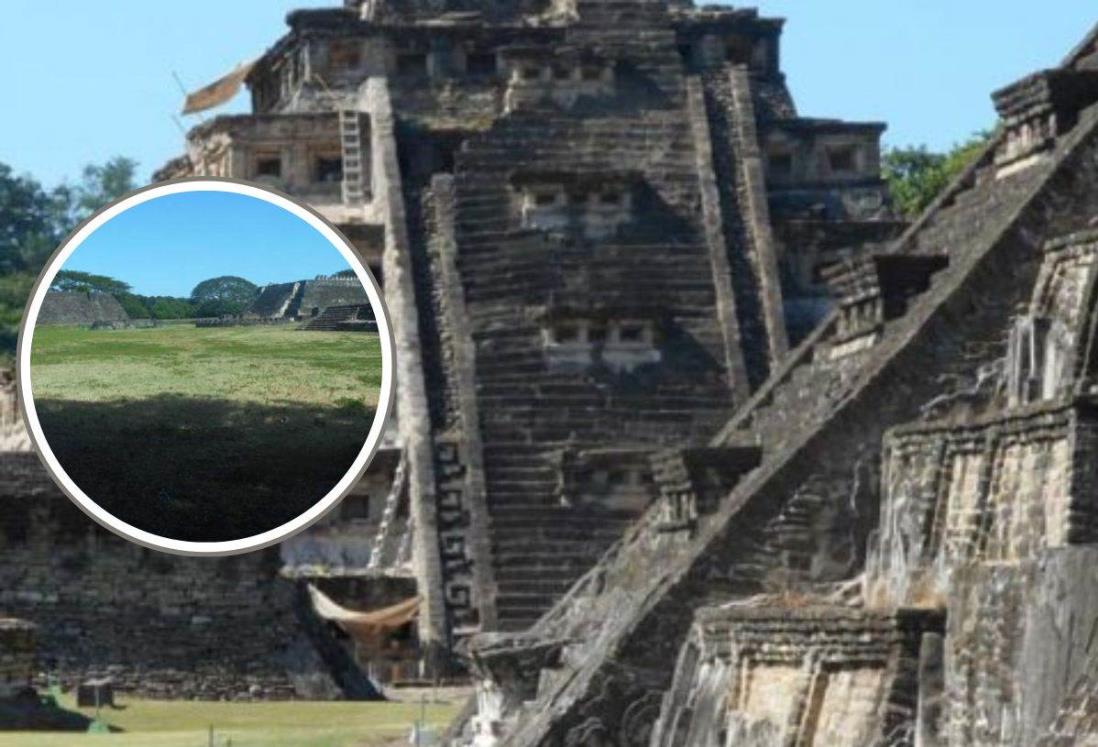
205 434
151 723
264 364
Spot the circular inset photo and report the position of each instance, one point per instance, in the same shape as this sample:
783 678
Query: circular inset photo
205 367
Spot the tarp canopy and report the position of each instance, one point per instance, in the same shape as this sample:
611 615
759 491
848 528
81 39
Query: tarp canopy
218 92
364 626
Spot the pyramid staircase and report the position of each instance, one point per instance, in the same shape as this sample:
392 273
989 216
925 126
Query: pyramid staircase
293 305
349 318
538 545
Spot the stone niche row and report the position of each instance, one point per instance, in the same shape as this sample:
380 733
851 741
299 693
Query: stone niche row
300 153
591 206
458 48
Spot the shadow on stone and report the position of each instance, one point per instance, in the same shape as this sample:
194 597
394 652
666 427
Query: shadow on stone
31 712
203 469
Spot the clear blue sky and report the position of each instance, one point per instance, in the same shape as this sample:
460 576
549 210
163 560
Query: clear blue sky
84 81
166 246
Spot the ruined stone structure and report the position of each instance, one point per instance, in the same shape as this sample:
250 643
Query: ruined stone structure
274 301
17 657
581 216
345 318
692 444
21 706
156 624
755 675
598 227
306 299
79 307
908 557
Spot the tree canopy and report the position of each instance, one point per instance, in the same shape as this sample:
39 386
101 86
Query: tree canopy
227 294
169 307
34 220
916 175
134 305
155 307
101 184
71 280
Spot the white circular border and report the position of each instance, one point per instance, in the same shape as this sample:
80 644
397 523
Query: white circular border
167 544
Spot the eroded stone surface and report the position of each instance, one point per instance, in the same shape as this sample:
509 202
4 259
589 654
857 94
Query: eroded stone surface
929 447
577 210
600 228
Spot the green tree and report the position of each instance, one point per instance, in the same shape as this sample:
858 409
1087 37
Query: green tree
155 307
33 221
217 308
30 228
99 185
223 295
167 307
14 289
916 175
134 305
71 280
30 222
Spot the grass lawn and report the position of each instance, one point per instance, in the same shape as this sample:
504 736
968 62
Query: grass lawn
262 364
152 723
205 434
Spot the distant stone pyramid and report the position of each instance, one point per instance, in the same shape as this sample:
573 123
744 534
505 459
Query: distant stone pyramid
80 307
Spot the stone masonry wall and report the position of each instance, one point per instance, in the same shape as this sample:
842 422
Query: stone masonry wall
321 293
521 280
998 489
811 494
785 673
17 656
160 625
73 307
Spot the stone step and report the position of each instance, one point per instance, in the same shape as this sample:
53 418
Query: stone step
528 585
524 487
558 518
525 600
518 621
536 565
562 543
570 550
